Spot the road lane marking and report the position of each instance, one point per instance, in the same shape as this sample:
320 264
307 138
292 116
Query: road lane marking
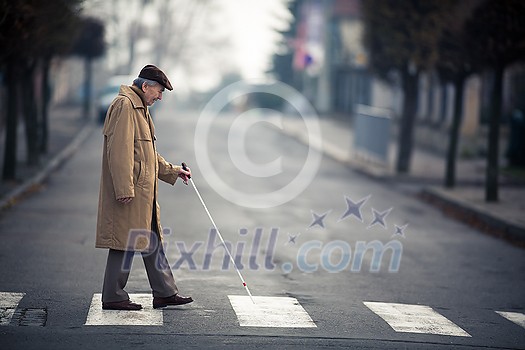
270 312
8 305
516 317
415 319
148 316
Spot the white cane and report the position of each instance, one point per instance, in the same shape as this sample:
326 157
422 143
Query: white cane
219 234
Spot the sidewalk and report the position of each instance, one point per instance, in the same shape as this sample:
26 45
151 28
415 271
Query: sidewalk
505 219
67 130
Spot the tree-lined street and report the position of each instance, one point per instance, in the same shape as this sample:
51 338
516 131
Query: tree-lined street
326 218
314 248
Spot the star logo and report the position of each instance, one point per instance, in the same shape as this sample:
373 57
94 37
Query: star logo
318 219
379 218
400 230
292 238
354 208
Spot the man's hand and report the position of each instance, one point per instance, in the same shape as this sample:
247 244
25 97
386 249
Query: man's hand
125 200
185 174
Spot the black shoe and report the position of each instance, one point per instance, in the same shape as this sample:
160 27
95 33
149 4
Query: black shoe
173 300
121 305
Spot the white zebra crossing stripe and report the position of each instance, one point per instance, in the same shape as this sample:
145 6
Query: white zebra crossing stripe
270 312
148 316
415 319
8 305
516 317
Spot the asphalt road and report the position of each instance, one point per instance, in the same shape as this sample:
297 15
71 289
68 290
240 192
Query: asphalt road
331 265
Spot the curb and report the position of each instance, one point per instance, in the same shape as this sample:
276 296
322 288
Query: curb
474 217
13 196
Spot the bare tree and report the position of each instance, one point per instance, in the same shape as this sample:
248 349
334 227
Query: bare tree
402 36
89 45
30 32
176 19
498 41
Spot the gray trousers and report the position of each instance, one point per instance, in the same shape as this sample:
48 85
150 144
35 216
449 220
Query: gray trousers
118 267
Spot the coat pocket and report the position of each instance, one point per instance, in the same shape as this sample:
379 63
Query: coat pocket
143 146
140 174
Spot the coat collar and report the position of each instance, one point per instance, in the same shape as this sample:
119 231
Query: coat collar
134 94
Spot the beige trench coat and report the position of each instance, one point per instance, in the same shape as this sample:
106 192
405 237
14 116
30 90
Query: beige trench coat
131 167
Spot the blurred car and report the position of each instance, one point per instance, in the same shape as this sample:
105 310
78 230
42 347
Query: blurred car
109 92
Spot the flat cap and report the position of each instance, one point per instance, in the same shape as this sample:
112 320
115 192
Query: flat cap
151 72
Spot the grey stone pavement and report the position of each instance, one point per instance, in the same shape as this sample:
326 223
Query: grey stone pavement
466 202
67 130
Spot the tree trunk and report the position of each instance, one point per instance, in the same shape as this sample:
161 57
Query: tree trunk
406 130
44 105
450 171
491 181
9 169
87 87
31 116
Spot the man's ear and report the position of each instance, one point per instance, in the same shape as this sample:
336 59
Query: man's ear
143 87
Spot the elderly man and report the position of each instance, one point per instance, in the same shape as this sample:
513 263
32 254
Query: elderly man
128 212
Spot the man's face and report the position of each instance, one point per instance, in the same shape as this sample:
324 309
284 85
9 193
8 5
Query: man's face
152 93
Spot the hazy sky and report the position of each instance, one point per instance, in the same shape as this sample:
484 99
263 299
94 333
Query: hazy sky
248 25
253 24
